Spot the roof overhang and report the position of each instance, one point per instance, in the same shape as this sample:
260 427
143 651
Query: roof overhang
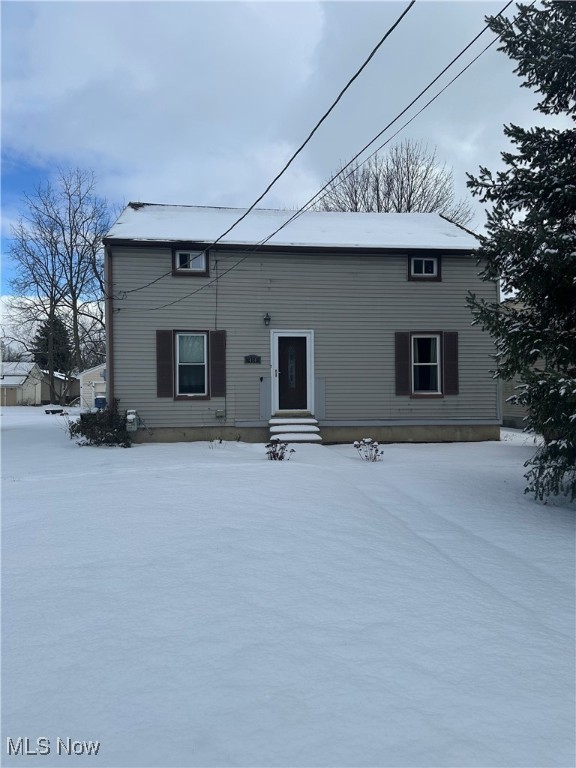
254 248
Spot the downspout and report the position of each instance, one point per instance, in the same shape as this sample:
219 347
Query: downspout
109 324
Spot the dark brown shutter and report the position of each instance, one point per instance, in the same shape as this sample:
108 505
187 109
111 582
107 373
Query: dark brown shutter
164 364
217 363
450 363
402 347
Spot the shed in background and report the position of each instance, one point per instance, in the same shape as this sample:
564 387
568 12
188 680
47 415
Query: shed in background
92 385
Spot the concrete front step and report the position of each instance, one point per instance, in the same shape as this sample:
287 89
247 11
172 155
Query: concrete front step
295 429
302 428
297 437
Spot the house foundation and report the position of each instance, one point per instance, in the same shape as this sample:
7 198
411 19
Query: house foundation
415 433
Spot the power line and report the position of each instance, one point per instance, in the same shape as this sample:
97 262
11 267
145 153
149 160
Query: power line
311 201
307 205
315 199
304 143
319 123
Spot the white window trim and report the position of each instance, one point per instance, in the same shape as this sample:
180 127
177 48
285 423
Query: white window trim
424 275
193 255
438 363
191 394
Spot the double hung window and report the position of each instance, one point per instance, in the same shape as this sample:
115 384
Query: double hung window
191 364
426 364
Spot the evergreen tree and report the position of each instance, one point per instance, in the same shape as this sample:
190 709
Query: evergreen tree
530 244
52 349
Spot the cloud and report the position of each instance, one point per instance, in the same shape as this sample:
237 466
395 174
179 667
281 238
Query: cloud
171 95
10 218
203 102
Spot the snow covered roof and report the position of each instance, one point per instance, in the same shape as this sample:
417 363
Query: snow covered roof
61 376
13 369
150 222
12 381
15 374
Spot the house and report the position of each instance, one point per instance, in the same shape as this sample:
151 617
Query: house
342 325
20 384
92 385
27 384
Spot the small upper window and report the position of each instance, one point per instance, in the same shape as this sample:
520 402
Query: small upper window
424 267
191 261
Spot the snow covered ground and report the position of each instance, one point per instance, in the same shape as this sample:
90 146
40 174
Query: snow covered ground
193 606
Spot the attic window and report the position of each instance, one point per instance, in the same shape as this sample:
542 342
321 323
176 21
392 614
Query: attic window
192 260
424 268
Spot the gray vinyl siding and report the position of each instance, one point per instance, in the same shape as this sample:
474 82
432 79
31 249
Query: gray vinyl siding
353 303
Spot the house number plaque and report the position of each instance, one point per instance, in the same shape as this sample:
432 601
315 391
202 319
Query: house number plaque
252 359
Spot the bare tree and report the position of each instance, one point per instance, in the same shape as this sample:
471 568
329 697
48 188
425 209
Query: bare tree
8 354
93 342
407 179
57 249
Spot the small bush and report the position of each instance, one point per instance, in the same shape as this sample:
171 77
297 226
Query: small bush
368 449
277 451
107 427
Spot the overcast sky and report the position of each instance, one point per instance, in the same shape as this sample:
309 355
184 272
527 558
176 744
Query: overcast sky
201 103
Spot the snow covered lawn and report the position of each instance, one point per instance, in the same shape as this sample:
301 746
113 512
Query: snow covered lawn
194 606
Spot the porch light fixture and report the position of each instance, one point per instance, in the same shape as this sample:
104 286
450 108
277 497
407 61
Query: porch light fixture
267 319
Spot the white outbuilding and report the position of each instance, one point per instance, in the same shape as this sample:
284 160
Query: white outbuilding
92 385
20 384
